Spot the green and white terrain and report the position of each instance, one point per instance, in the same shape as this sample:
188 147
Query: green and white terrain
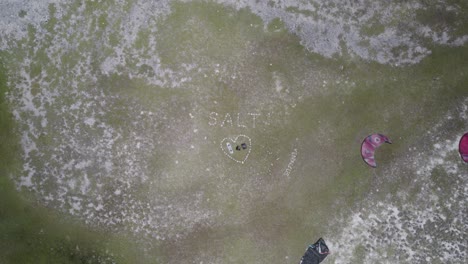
115 114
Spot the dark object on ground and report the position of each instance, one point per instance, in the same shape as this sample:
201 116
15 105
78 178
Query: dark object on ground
238 148
315 253
244 146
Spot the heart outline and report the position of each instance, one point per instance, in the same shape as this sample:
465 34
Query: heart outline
235 140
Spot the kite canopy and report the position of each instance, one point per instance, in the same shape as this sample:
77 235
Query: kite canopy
463 147
315 253
369 145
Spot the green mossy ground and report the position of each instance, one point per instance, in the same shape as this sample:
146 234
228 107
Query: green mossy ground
31 233
403 102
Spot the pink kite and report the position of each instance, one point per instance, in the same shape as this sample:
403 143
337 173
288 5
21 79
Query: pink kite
369 145
463 147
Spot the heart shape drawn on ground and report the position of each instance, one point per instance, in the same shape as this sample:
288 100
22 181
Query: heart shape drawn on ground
239 156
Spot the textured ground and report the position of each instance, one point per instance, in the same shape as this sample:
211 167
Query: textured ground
115 117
